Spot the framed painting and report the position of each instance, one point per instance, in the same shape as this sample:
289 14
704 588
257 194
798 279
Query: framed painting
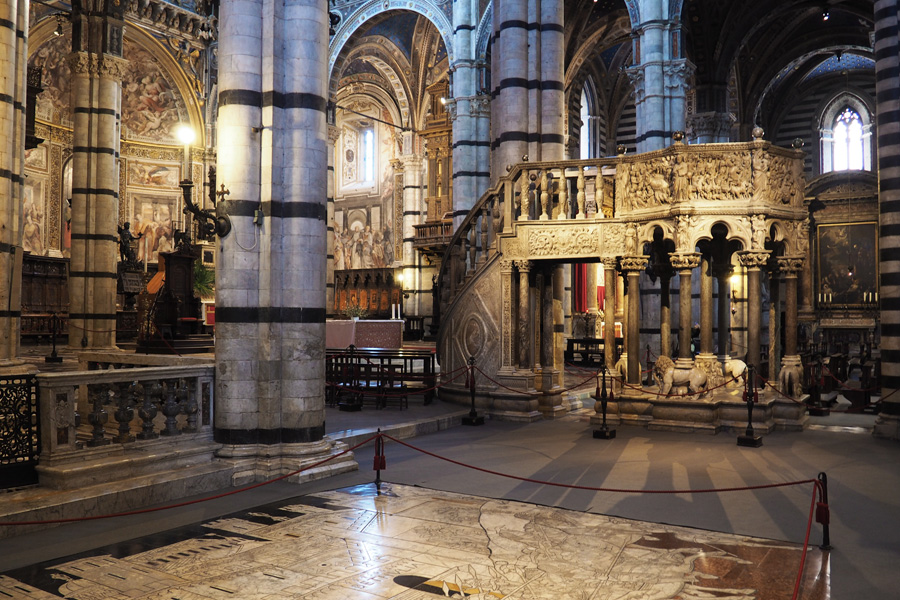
847 266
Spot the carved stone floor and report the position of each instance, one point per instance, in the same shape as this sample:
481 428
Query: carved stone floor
413 544
746 538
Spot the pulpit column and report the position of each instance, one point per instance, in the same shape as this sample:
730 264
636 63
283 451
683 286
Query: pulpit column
609 312
508 312
753 261
791 374
525 323
723 274
632 266
684 263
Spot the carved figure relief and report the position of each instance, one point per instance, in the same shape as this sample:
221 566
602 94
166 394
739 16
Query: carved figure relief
579 242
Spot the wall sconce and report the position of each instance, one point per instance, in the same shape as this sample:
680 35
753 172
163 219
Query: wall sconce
209 224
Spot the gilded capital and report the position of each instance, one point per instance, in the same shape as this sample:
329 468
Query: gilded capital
685 261
634 263
609 262
752 259
790 265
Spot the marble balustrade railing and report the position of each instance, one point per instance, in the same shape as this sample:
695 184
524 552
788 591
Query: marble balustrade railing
559 190
91 409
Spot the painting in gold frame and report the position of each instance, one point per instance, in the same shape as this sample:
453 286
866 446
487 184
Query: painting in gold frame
847 263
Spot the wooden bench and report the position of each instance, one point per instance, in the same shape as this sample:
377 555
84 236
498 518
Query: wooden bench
386 376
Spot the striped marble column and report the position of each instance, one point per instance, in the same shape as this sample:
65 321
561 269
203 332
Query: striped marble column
13 25
334 134
270 292
660 81
887 84
96 104
527 112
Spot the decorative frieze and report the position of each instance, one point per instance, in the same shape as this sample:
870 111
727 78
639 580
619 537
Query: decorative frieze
578 241
105 66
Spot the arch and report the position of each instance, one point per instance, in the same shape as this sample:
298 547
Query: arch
374 8
735 230
372 53
634 12
484 32
675 10
42 32
646 231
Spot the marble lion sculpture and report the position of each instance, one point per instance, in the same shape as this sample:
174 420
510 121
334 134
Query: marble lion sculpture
735 369
667 376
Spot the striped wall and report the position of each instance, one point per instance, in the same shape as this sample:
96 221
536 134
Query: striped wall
887 81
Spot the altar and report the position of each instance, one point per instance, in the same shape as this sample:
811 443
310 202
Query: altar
364 333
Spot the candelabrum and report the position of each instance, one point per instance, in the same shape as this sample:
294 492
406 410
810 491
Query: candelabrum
209 224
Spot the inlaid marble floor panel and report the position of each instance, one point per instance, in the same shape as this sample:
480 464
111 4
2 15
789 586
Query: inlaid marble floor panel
412 543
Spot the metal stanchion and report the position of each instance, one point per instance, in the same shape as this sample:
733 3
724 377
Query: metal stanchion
751 397
54 326
823 513
473 418
380 461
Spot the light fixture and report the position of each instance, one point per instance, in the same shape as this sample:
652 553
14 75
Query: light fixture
209 224
825 15
443 100
185 134
59 26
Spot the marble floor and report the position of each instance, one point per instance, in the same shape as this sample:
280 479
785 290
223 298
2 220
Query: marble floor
414 543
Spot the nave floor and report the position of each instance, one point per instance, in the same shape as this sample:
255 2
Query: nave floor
412 543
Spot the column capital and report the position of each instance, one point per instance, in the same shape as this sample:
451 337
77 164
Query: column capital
334 133
523 265
634 263
790 265
105 66
685 261
506 265
753 259
609 262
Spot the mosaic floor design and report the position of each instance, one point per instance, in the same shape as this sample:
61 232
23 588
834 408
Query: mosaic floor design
417 544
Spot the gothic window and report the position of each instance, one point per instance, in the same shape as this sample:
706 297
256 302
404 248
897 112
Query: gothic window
359 157
369 155
585 151
846 136
848 141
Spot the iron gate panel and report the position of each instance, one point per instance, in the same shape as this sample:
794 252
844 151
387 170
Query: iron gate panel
19 431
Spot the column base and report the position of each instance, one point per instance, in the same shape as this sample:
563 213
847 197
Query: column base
887 426
790 378
258 462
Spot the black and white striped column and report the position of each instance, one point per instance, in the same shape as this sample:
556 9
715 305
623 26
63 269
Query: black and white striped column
887 87
527 112
96 105
13 28
270 288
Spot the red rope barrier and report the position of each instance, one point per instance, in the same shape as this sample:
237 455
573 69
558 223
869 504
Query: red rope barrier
599 489
189 502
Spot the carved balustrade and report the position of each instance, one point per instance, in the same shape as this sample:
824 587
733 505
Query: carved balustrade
81 410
